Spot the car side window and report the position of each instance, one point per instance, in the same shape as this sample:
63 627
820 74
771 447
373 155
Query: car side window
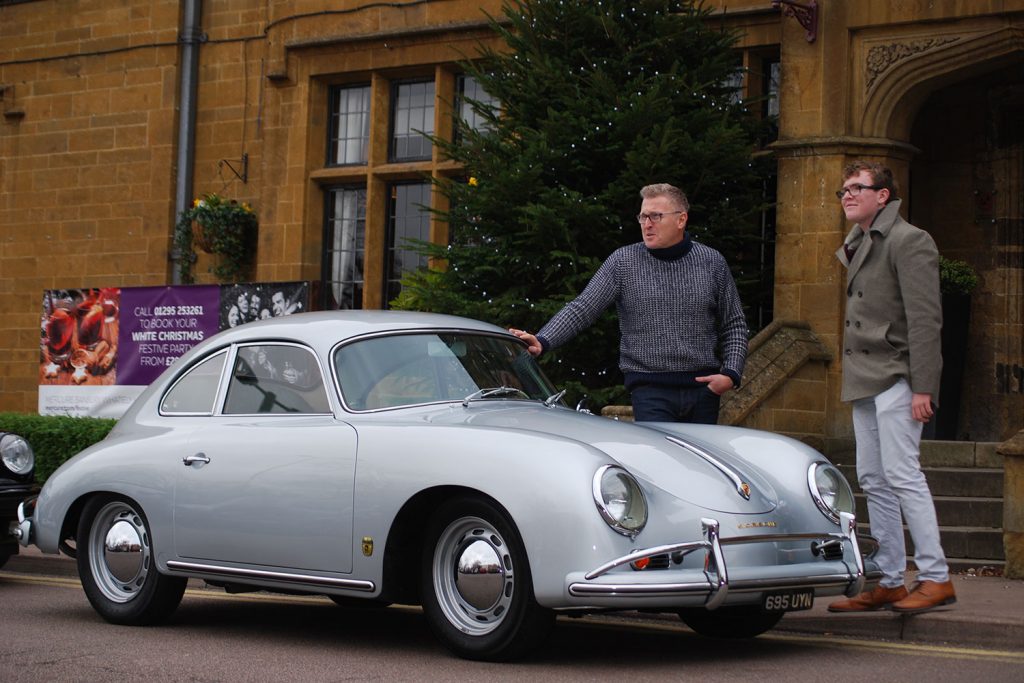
195 392
276 378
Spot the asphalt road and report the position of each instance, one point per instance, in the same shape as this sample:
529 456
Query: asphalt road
49 632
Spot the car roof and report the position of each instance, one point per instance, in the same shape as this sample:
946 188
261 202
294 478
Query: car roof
339 325
320 330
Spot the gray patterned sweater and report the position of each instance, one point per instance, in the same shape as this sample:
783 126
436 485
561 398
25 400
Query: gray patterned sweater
679 314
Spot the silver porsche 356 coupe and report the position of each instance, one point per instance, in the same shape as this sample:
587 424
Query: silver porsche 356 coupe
425 459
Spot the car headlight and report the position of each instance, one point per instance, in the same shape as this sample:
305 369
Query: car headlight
620 500
830 490
16 455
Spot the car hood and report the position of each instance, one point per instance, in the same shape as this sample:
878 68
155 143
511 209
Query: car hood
703 470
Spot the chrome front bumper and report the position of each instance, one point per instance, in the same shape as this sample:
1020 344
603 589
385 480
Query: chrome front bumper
715 583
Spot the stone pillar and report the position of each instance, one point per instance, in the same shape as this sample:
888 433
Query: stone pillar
1013 504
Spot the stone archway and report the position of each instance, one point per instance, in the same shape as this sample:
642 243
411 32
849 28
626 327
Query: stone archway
967 189
901 73
958 98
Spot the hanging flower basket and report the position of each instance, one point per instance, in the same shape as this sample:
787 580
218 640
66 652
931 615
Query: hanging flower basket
218 226
199 239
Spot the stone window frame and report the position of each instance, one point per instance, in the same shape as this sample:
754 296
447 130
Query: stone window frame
381 172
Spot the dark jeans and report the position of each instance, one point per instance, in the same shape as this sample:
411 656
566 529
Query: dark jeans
656 403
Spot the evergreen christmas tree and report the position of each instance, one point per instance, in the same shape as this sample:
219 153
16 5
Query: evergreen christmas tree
595 100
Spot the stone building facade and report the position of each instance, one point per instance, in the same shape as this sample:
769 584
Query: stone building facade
308 111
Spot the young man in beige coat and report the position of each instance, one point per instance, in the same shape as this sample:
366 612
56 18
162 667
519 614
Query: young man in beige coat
891 366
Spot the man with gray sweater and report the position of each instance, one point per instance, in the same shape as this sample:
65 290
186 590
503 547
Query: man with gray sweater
683 335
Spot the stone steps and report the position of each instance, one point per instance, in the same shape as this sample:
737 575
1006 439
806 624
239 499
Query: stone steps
953 511
978 482
966 482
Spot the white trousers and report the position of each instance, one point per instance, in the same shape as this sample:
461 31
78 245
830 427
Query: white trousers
889 472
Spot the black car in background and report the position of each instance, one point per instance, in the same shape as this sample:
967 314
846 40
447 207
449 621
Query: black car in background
17 482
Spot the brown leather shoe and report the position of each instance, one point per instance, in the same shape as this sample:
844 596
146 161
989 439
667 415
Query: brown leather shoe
877 598
926 595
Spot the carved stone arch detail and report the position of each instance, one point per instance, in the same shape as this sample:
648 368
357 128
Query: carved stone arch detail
899 75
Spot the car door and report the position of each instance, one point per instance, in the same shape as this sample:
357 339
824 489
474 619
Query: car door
268 479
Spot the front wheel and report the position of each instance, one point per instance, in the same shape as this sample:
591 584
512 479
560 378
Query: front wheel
117 565
745 621
476 584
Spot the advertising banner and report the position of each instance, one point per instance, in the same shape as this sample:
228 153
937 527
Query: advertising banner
99 348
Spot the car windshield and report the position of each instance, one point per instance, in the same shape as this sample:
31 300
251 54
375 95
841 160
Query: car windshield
411 369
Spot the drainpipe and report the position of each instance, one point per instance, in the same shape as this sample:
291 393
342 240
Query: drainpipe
190 38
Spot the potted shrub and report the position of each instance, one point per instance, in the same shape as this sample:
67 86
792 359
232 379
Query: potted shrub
218 226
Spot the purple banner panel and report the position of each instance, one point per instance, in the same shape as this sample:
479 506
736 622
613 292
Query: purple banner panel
159 324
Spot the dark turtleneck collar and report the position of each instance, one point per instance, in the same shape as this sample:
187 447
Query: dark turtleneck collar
676 251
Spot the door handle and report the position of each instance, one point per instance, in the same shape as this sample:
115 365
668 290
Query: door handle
189 460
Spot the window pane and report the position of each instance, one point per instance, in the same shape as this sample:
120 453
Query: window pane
772 89
196 391
275 378
408 219
469 88
350 125
412 121
345 246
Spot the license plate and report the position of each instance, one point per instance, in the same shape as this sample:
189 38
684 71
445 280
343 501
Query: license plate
789 601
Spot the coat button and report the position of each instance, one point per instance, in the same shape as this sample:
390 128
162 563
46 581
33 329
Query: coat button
860 294
857 324
847 323
849 352
865 352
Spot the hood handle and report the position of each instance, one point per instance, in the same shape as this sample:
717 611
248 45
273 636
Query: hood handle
742 487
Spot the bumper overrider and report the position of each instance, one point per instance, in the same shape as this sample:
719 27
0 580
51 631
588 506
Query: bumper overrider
22 529
845 574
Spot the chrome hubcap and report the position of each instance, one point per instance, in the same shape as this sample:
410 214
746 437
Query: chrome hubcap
122 551
474 577
479 576
119 552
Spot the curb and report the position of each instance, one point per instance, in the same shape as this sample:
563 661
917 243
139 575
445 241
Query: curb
934 628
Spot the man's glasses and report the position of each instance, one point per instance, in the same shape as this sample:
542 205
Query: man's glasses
653 217
855 189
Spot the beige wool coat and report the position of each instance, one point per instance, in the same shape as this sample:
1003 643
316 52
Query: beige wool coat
893 308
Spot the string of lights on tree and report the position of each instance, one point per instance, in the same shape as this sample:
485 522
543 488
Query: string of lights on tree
591 101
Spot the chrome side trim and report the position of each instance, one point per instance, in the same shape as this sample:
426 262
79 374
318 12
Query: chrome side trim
742 487
233 572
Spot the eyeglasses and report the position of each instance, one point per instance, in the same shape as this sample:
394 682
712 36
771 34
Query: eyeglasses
855 189
654 217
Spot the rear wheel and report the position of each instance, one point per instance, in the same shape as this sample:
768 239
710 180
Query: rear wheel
117 565
476 584
744 621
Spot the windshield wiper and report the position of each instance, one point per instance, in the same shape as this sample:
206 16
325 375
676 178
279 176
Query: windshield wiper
554 398
495 391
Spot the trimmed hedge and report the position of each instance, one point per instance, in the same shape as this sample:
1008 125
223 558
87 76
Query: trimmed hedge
55 438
